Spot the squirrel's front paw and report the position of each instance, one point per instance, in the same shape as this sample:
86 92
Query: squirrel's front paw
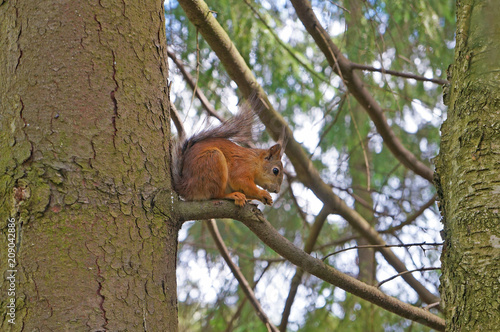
239 198
266 198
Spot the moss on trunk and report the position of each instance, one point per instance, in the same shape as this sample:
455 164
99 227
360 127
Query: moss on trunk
468 173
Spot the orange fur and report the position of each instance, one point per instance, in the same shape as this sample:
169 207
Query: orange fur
219 168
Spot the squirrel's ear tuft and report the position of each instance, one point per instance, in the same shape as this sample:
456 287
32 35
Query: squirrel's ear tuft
274 152
283 140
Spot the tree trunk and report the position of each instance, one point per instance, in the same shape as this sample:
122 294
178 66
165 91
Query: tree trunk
84 146
468 173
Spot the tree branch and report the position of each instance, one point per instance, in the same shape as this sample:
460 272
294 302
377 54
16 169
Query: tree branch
199 14
411 218
405 272
344 68
253 218
229 326
371 246
176 118
191 82
397 73
214 231
287 48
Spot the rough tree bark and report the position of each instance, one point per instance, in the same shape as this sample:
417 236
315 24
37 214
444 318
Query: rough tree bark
84 145
468 173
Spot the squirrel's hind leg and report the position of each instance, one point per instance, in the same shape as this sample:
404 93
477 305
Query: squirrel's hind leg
207 175
215 180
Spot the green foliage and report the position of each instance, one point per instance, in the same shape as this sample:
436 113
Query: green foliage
360 316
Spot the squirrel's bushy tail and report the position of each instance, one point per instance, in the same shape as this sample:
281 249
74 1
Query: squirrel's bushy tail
237 129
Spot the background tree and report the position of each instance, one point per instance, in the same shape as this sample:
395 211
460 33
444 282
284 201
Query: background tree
468 173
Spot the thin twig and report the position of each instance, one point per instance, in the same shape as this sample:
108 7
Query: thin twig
363 148
432 305
336 4
330 126
411 218
375 246
338 242
302 214
195 88
406 272
174 115
229 326
397 73
263 259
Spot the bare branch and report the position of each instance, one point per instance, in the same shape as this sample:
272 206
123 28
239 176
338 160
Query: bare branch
214 231
302 214
432 305
406 272
397 73
411 218
332 123
363 148
229 326
191 82
371 246
338 242
285 46
251 216
174 114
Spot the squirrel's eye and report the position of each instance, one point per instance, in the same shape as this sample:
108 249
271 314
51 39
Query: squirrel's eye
276 171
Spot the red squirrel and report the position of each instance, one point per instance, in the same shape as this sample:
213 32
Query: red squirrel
211 165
